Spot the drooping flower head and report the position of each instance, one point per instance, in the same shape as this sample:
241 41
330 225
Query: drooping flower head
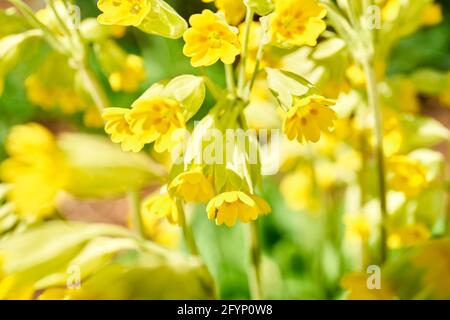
123 12
192 186
308 118
297 22
130 76
162 206
234 10
228 207
156 119
119 129
209 39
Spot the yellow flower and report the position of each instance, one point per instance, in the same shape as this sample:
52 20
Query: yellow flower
356 285
297 22
234 10
390 10
357 227
406 175
410 235
308 118
123 12
297 190
156 119
159 229
230 206
162 206
356 76
210 39
13 289
36 170
130 77
432 14
192 186
119 129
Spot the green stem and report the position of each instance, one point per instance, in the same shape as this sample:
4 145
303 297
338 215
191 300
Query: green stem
93 87
374 104
244 54
229 74
255 260
134 200
187 232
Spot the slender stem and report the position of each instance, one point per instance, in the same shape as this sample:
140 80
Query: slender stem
187 232
259 57
374 103
229 74
244 53
93 87
255 260
134 200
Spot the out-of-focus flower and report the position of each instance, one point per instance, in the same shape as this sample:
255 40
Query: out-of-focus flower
356 76
161 206
308 118
124 13
358 289
406 175
36 170
297 189
192 186
234 10
432 14
209 39
119 129
158 229
297 22
156 119
357 227
11 288
390 9
130 77
228 207
409 235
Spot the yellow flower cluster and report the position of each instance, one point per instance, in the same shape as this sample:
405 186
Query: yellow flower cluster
124 12
36 170
130 76
153 119
406 175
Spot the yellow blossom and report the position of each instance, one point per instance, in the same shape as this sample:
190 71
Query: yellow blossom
123 12
408 236
297 190
192 186
158 229
358 227
36 170
390 9
406 175
156 119
130 77
210 39
356 285
297 22
432 14
356 76
228 207
119 129
308 118
234 10
161 206
11 288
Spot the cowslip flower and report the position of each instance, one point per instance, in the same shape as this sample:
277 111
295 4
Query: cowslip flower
297 22
130 76
156 119
123 12
158 229
234 10
406 175
409 235
209 39
36 171
192 186
162 206
228 207
308 118
119 129
432 14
